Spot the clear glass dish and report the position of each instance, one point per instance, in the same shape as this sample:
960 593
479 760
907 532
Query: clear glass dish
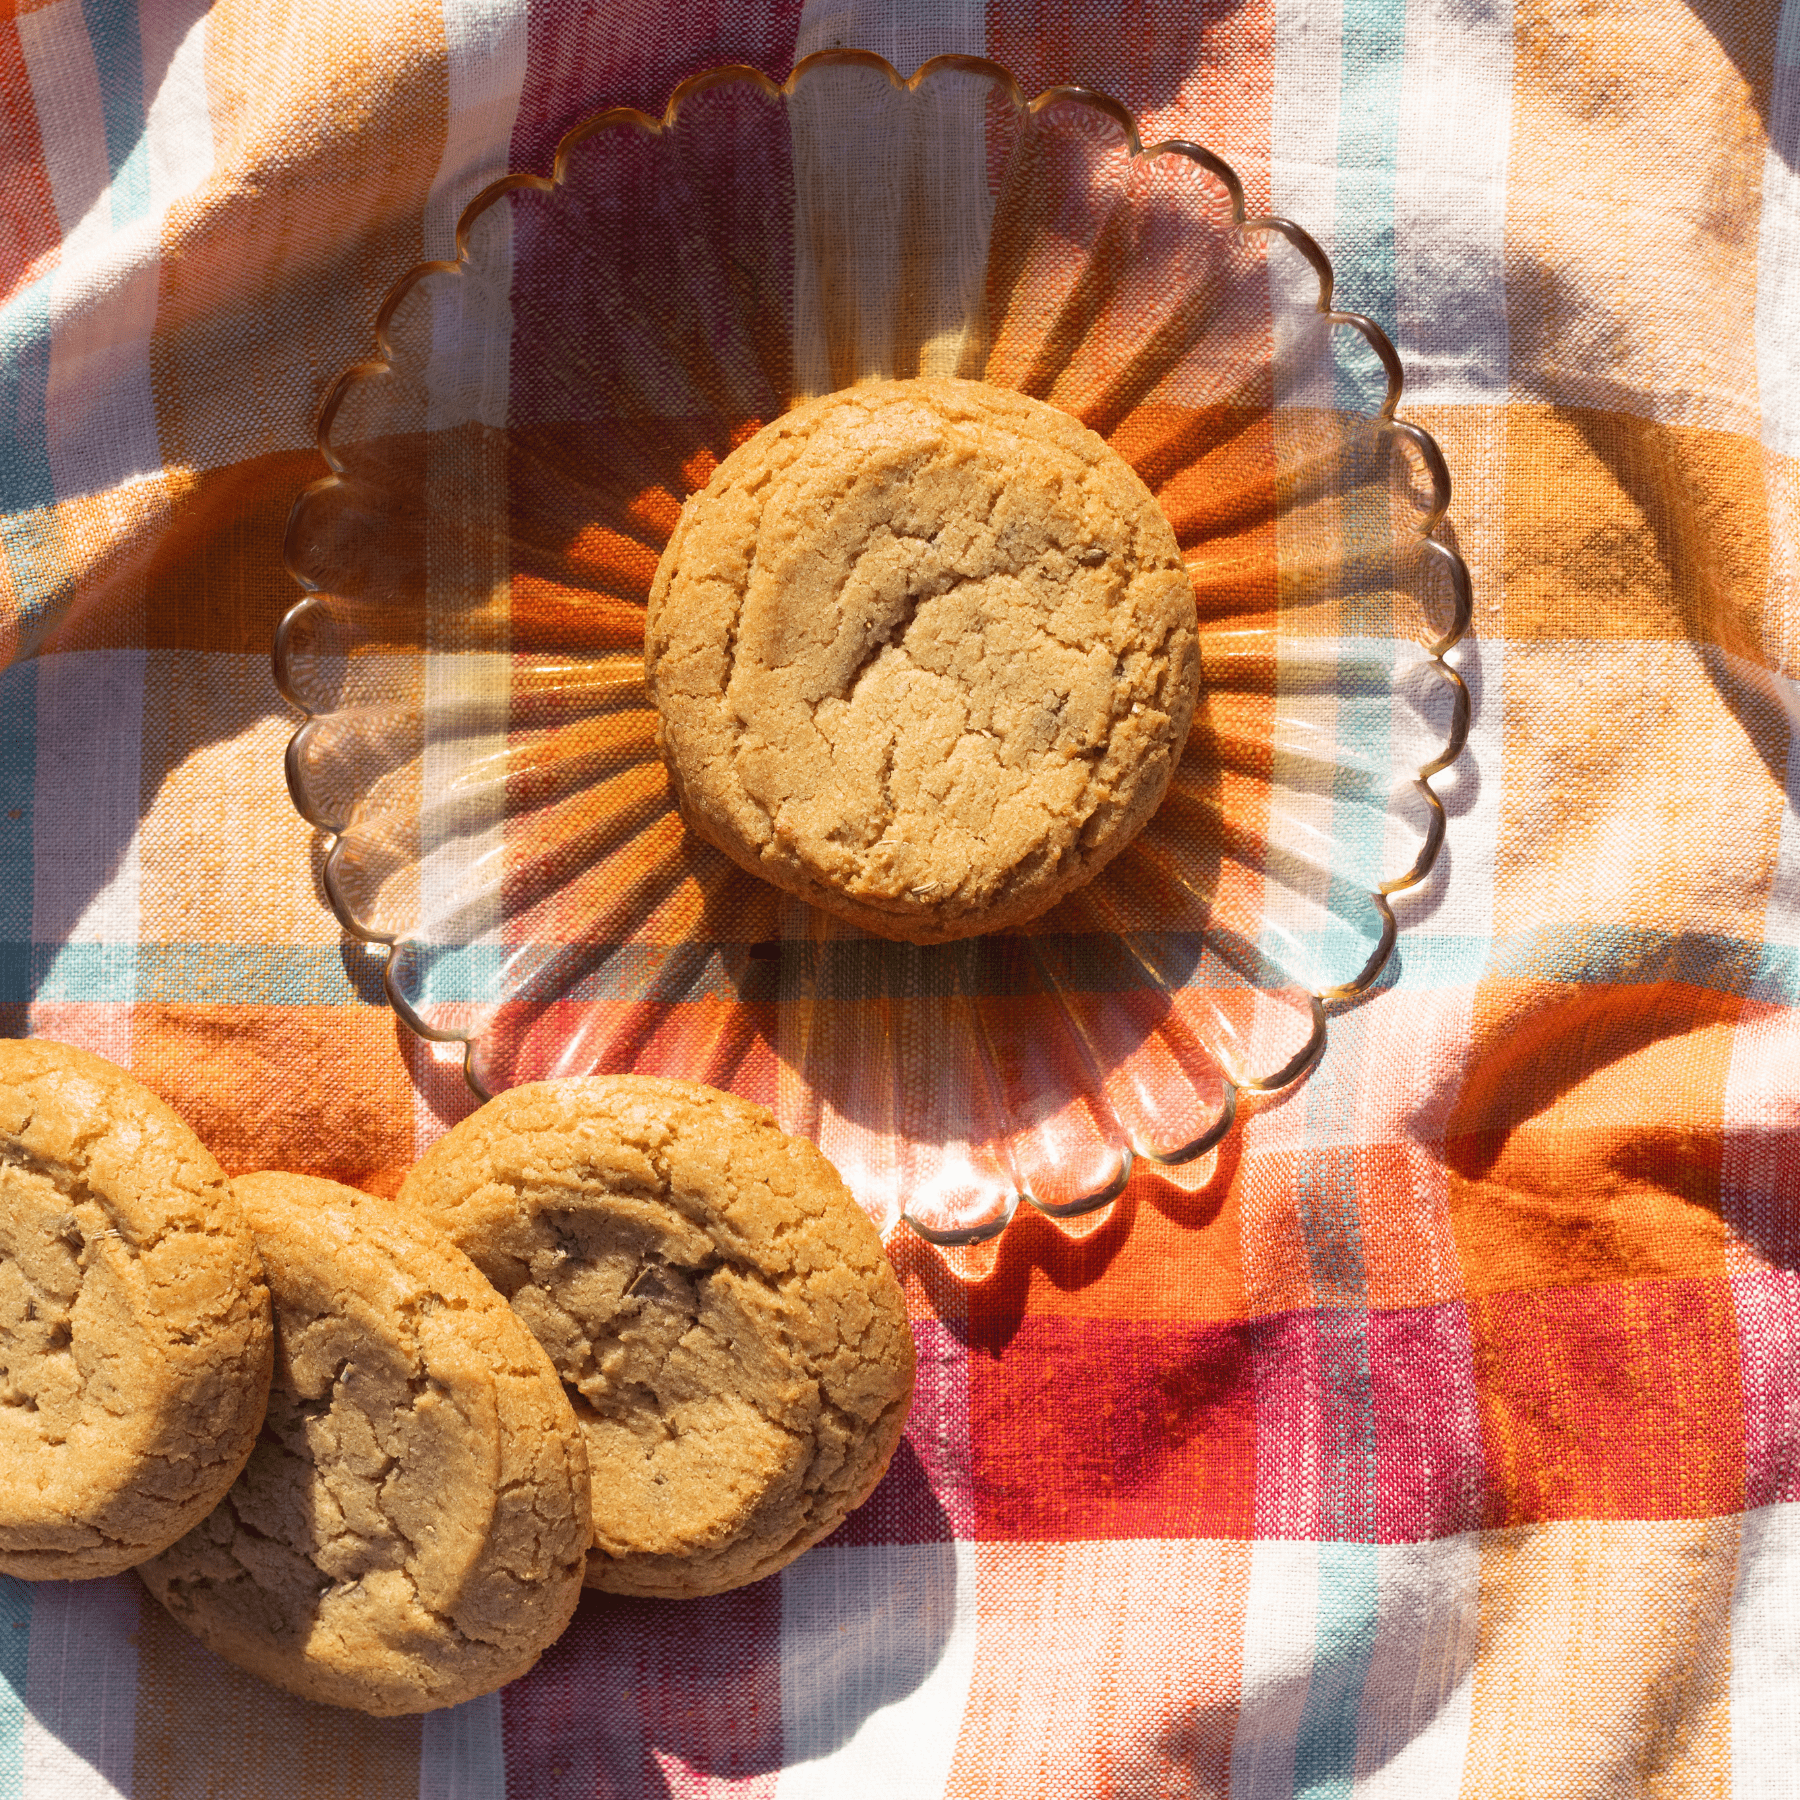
505 471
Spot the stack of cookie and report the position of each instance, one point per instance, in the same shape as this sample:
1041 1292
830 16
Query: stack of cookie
314 1424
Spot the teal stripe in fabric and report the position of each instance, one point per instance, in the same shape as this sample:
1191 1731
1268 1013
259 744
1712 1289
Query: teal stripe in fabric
24 380
1325 1748
1347 1427
97 973
1616 956
341 975
1424 960
1329 1209
1620 956
1374 39
112 28
1330 1218
192 974
15 1645
870 970
18 777
32 543
843 969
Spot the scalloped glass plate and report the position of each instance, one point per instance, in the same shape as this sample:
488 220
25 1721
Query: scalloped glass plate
506 469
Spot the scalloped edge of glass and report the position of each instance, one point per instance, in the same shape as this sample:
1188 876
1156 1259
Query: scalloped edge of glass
1436 648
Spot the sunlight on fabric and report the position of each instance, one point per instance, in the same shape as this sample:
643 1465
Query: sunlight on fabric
81 1690
875 1709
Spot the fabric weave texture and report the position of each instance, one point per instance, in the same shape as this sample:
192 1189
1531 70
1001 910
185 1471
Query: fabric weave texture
1445 1442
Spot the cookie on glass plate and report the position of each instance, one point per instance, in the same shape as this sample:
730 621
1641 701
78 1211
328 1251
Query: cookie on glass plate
924 653
135 1339
413 1525
719 1307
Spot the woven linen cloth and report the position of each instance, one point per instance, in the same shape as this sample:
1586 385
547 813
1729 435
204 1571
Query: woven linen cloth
1449 1441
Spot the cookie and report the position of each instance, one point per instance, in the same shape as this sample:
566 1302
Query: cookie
923 653
412 1526
718 1306
135 1339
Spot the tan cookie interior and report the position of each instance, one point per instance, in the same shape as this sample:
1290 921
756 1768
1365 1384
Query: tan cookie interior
374 1475
720 1312
73 1343
929 645
411 1527
693 1417
47 1253
135 1339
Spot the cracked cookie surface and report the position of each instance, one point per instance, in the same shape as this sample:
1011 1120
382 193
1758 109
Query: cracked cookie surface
135 1339
720 1310
412 1526
923 653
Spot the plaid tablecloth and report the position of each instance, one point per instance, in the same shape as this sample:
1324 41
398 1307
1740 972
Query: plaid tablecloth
1450 1443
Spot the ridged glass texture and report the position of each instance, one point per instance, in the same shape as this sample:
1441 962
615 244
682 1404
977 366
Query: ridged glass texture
506 469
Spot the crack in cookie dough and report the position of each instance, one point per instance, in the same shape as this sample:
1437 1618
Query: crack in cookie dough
412 1527
135 1339
719 1308
43 1267
924 653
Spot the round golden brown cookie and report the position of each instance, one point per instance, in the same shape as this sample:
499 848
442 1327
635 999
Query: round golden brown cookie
135 1341
923 653
412 1526
719 1308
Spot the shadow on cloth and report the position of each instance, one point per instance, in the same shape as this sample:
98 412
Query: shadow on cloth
641 1695
1663 530
1747 35
120 1700
1589 1144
